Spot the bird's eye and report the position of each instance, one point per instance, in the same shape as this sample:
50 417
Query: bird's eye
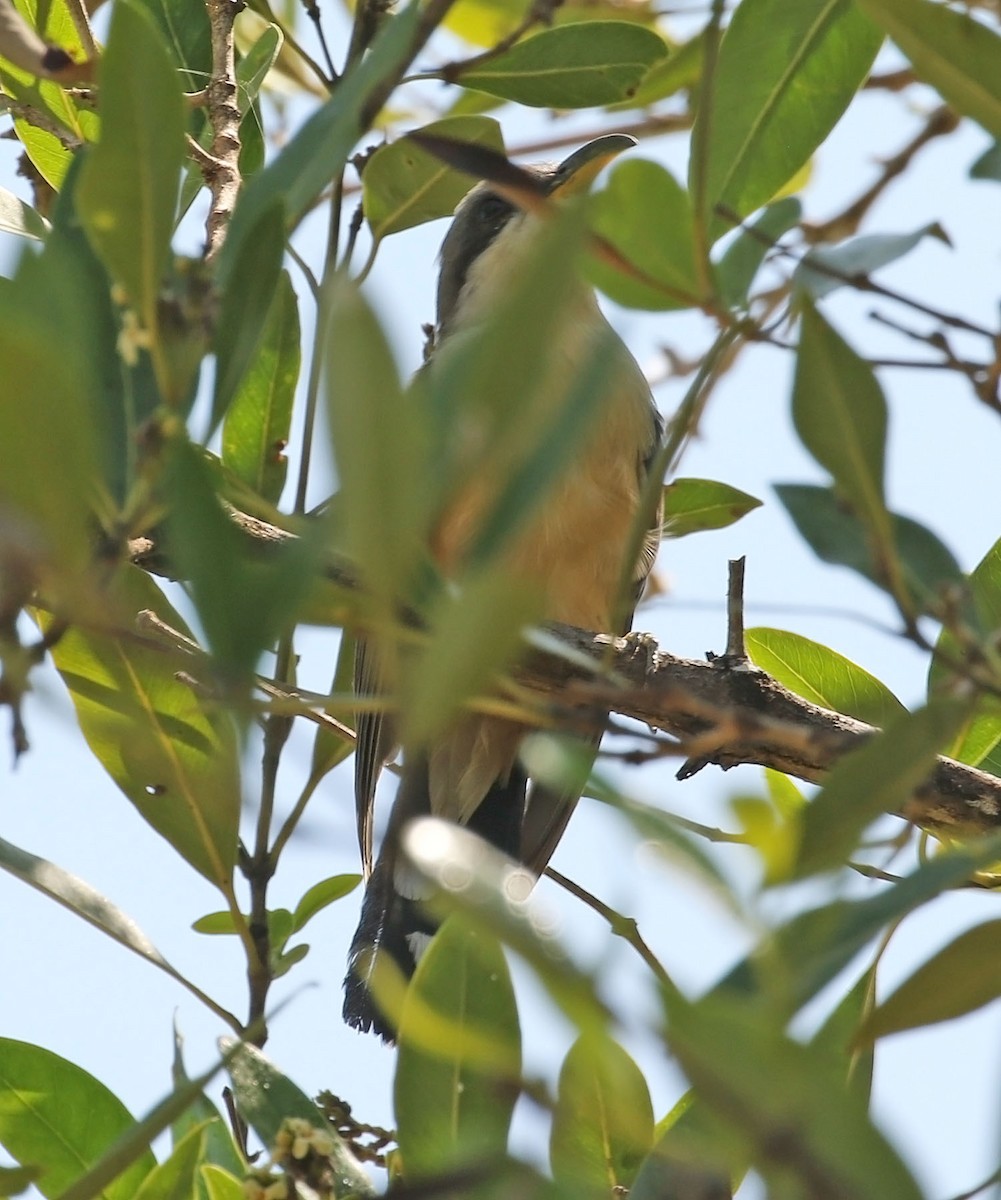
492 208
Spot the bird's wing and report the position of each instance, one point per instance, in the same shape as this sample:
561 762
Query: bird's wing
549 810
375 745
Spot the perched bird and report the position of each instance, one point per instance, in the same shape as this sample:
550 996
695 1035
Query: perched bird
572 548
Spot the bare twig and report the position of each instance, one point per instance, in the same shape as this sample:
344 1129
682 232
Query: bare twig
753 718
223 175
845 223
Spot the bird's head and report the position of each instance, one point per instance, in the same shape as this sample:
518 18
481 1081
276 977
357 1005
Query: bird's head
492 223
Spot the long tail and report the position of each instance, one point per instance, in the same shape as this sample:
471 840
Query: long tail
393 919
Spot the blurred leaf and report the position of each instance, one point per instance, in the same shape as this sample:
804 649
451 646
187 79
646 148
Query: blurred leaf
836 535
452 1108
695 505
57 1117
44 392
572 66
840 415
783 1101
328 748
822 676
646 217
492 891
774 836
175 1178
826 268
473 634
243 603
21 219
220 1184
878 778
320 895
837 1036
319 150
128 187
259 417
787 70
603 1121
175 761
220 1148
265 1098
956 54
15 1180
404 185
784 794
380 451
959 979
988 164
805 953
255 321
737 269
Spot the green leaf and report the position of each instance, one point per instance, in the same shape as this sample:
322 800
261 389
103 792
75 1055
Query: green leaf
219 1147
133 1145
404 185
822 676
603 1121
320 895
175 761
573 66
56 106
379 441
837 1036
243 603
248 308
15 1180
175 1178
259 416
959 979
21 219
319 150
878 778
46 392
489 890
329 748
680 70
840 415
988 164
473 634
266 1098
803 955
739 265
695 505
787 70
646 217
837 536
956 54
183 26
784 1103
826 268
83 900
452 1107
57 1117
128 187
220 1184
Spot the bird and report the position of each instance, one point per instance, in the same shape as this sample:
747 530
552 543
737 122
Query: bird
572 549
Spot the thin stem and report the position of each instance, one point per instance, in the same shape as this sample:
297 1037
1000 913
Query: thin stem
621 926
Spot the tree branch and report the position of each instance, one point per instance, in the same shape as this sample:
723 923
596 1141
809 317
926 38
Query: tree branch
732 712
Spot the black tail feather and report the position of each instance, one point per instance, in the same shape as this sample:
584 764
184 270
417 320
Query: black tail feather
393 920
